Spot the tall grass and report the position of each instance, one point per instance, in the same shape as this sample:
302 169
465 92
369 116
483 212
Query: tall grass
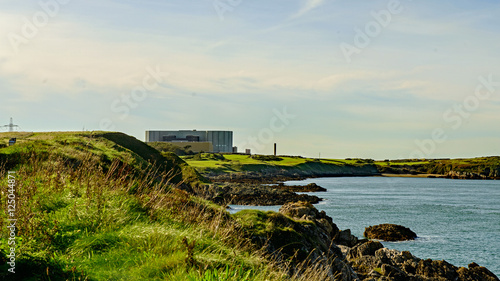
81 220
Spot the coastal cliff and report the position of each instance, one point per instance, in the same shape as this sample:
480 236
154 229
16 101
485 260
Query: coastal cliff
105 206
271 169
472 168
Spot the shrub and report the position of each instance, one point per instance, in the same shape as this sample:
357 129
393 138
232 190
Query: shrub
266 158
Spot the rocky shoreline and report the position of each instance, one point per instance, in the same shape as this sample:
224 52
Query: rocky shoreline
476 172
348 258
312 237
470 176
277 174
249 194
312 187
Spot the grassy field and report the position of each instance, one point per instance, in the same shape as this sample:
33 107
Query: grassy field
235 163
104 206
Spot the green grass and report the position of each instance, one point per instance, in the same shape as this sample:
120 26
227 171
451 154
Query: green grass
102 147
237 163
85 216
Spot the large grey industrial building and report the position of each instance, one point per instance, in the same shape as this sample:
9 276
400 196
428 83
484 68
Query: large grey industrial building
222 141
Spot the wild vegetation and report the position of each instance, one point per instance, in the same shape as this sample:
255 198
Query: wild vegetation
105 206
168 147
481 167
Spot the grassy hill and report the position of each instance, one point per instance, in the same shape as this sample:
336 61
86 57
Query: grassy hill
103 206
101 147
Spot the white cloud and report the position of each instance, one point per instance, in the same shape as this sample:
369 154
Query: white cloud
403 81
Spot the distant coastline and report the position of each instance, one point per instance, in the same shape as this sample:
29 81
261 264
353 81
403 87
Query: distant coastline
273 169
412 176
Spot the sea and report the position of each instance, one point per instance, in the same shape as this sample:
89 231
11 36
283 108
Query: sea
455 220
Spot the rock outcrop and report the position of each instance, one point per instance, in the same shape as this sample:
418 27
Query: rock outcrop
389 232
312 187
276 173
249 194
371 261
301 235
468 175
349 258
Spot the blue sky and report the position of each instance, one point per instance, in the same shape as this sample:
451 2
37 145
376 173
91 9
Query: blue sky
240 65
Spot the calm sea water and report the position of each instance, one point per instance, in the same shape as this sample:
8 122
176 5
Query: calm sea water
455 220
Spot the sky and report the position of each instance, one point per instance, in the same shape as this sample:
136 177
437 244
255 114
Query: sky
321 78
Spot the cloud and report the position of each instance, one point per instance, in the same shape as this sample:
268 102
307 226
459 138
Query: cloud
308 6
419 66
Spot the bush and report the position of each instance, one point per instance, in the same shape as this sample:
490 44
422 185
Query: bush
168 147
266 158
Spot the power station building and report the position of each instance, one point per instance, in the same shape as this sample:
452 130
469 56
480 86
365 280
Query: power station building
207 141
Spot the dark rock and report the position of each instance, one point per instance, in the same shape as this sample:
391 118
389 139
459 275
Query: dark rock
316 240
366 249
388 256
476 273
395 273
389 232
357 259
250 194
306 211
364 265
373 262
369 248
312 187
436 269
273 173
345 238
